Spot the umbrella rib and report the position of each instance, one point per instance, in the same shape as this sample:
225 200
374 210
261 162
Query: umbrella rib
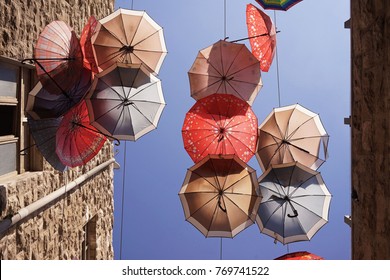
302 124
233 202
238 141
200 175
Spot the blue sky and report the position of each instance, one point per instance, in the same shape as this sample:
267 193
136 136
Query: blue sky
314 71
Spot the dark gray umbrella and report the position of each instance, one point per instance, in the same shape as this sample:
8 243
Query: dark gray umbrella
44 134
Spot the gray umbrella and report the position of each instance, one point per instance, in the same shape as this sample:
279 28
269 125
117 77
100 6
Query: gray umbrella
295 202
125 101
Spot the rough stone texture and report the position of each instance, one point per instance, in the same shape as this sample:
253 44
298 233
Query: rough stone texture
55 232
370 129
21 21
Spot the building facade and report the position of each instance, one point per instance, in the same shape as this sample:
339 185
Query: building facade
45 213
370 121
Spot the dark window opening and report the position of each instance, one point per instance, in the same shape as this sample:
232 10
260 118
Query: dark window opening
7 120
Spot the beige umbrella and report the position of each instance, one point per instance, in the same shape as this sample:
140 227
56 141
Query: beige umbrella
289 134
219 196
225 67
129 36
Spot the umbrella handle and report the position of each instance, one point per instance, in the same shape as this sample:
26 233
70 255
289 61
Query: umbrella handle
293 216
220 205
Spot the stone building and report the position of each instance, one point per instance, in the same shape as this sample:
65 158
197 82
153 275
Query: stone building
46 214
370 121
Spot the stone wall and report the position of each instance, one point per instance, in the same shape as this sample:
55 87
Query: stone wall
370 114
56 231
21 21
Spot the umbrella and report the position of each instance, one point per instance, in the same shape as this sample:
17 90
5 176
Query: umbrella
295 202
44 135
292 133
58 57
42 104
219 196
220 124
301 255
262 36
129 36
125 101
89 29
282 5
225 67
77 140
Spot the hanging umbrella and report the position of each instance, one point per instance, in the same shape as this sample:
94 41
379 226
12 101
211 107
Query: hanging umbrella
129 36
301 255
89 29
225 67
77 141
125 101
292 133
44 135
295 202
58 57
262 36
42 104
282 5
219 196
220 124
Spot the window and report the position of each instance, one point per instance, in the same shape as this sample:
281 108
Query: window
88 245
16 80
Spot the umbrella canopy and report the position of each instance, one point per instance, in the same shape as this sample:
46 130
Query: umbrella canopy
44 135
42 104
225 67
125 101
262 36
89 29
295 202
219 196
58 57
129 36
220 124
77 141
289 134
302 255
282 5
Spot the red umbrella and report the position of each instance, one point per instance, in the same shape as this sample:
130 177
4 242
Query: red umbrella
262 36
58 57
86 45
302 255
77 140
220 124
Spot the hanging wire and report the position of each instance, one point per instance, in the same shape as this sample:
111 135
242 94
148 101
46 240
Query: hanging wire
277 63
132 4
123 196
224 20
220 249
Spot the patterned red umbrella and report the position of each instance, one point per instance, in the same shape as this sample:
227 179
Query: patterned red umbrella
220 124
86 45
262 36
58 57
302 255
77 140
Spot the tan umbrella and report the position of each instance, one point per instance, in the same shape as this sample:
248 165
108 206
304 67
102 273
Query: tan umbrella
129 36
219 196
225 67
289 134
